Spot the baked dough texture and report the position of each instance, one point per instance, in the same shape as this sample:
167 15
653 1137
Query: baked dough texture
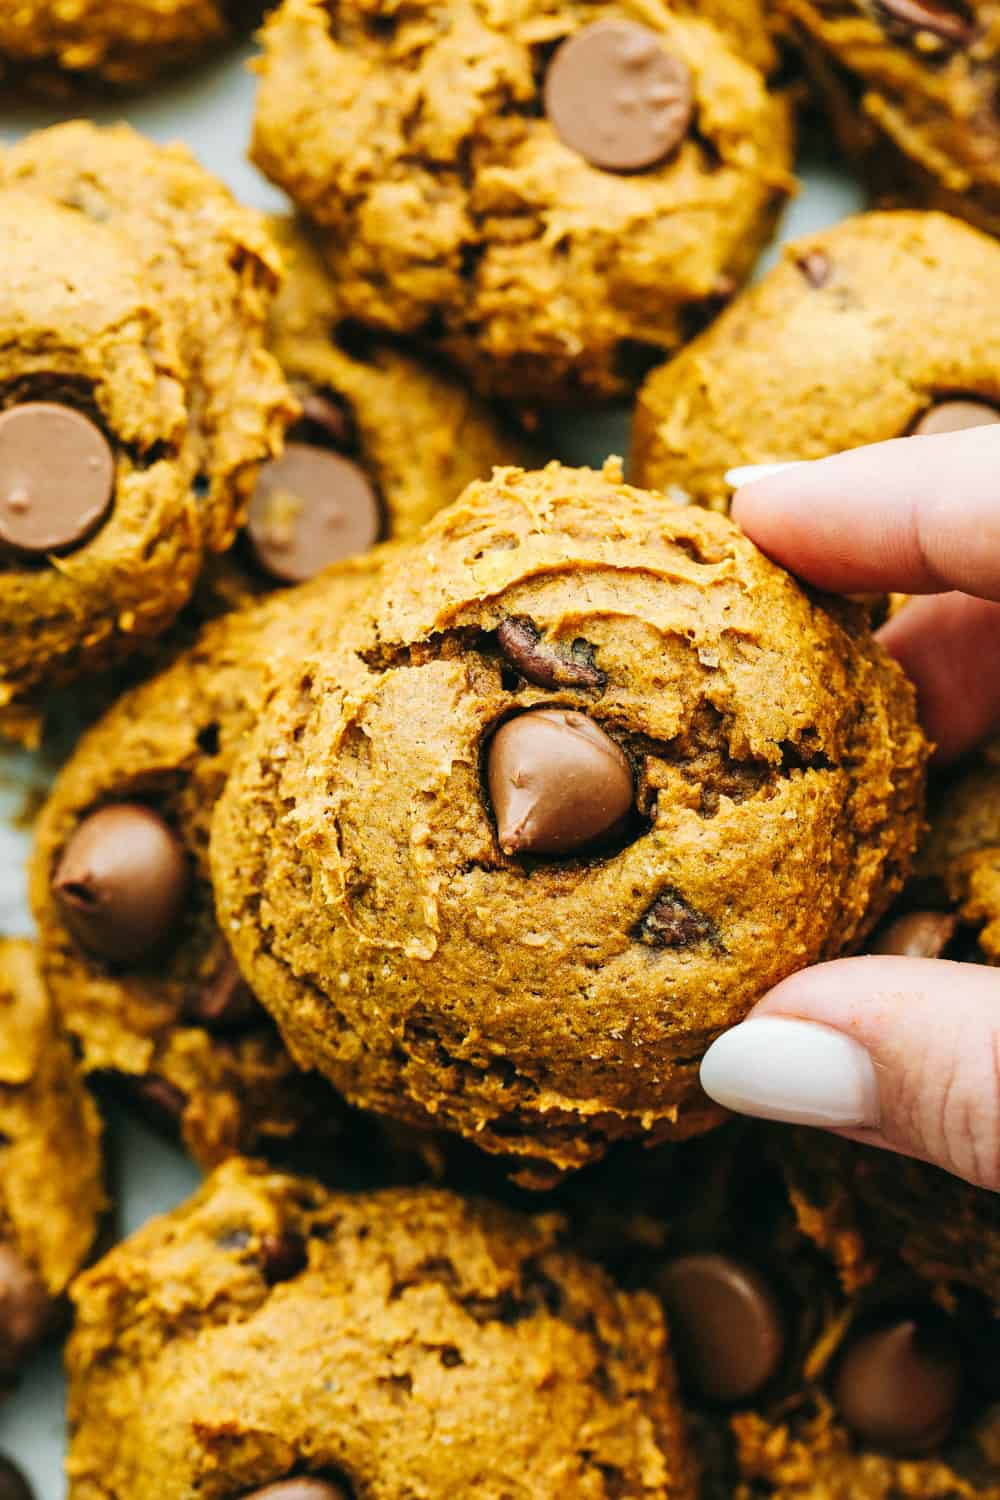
821 356
453 212
960 859
169 744
51 1171
544 1007
120 42
136 290
418 1346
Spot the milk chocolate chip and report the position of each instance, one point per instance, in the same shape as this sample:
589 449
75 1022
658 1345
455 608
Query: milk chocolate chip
312 507
898 1387
122 881
920 934
298 1489
13 1485
57 476
955 416
558 783
617 97
25 1308
727 1325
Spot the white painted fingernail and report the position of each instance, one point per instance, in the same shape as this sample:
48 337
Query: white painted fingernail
751 472
779 1068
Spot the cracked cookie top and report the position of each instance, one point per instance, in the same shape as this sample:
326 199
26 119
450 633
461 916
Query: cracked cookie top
439 146
389 1345
585 776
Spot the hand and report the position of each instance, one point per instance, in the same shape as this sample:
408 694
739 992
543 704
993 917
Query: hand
902 1053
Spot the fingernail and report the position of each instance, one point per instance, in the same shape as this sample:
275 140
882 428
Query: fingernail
779 1068
735 478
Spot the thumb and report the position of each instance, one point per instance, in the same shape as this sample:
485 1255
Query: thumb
902 1053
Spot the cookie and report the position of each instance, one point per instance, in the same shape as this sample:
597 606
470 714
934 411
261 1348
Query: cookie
135 303
129 943
44 43
564 799
472 197
387 1345
384 439
822 355
910 89
959 863
51 1192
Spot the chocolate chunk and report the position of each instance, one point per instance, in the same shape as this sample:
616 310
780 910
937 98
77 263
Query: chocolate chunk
282 1256
225 1003
13 1485
122 881
898 1386
727 1325
25 1308
558 783
949 22
297 1489
617 97
815 266
955 416
671 923
57 477
920 934
312 507
521 644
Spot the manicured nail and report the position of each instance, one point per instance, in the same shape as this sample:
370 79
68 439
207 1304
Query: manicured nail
779 1068
751 472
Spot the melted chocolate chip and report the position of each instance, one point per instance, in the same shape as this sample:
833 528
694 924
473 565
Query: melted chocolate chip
282 1256
299 1489
898 1386
521 644
25 1308
918 934
672 923
727 1325
956 415
815 266
57 477
225 1003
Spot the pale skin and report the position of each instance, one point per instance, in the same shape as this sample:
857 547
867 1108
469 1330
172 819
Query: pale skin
919 516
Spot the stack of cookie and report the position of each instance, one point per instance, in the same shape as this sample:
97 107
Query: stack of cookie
441 803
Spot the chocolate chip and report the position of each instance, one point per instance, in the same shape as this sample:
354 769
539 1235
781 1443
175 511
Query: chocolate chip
13 1485
671 923
225 1003
617 97
955 416
949 22
521 644
122 881
920 934
815 266
298 1489
312 507
329 418
558 783
25 1308
898 1386
57 477
282 1256
726 1323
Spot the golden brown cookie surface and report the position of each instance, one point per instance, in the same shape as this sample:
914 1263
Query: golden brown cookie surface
455 210
129 942
402 1344
822 355
51 1193
548 999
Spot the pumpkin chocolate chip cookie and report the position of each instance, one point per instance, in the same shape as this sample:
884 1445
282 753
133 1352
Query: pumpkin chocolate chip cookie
911 89
137 400
48 43
557 806
549 194
51 1195
383 441
821 356
385 1345
129 942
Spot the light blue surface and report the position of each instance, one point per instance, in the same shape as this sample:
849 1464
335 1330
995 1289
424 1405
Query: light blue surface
211 111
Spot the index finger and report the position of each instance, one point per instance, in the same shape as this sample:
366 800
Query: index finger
917 515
